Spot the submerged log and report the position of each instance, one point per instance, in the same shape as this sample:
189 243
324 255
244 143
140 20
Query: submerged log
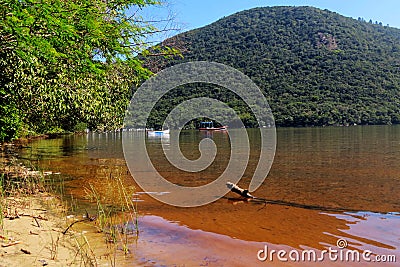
236 189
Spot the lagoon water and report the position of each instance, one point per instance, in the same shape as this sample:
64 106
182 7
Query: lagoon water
325 184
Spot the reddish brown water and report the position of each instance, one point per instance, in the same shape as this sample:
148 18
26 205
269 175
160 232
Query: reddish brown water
317 173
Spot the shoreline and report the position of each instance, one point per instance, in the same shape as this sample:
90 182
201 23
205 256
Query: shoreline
32 219
38 230
38 227
32 233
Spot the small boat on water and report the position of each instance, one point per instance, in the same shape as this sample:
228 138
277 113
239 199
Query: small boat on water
209 126
158 133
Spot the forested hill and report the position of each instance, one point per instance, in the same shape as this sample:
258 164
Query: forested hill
315 66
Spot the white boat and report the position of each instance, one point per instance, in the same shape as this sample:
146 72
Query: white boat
158 133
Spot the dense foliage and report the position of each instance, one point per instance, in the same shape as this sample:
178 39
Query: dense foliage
316 67
68 65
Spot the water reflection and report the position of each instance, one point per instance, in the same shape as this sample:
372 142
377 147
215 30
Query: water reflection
377 232
353 168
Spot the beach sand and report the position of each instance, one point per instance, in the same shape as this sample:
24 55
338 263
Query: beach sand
32 235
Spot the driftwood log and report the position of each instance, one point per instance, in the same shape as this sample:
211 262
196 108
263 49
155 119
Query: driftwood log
236 189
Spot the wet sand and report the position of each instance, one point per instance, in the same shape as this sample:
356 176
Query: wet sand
165 243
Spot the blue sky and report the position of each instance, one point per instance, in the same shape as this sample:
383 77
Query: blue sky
192 14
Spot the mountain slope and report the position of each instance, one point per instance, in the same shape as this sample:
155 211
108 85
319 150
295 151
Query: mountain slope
316 67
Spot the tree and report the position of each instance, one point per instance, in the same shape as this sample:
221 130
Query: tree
69 62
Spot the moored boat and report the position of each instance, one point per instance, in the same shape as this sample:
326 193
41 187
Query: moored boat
164 132
209 126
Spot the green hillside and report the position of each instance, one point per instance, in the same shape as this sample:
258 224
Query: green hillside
315 66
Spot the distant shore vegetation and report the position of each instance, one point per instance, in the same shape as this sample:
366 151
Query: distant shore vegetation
69 66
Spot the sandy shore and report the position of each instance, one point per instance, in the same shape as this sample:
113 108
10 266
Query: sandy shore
32 235
32 223
37 228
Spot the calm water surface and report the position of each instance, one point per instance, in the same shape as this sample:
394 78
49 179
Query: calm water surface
325 184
